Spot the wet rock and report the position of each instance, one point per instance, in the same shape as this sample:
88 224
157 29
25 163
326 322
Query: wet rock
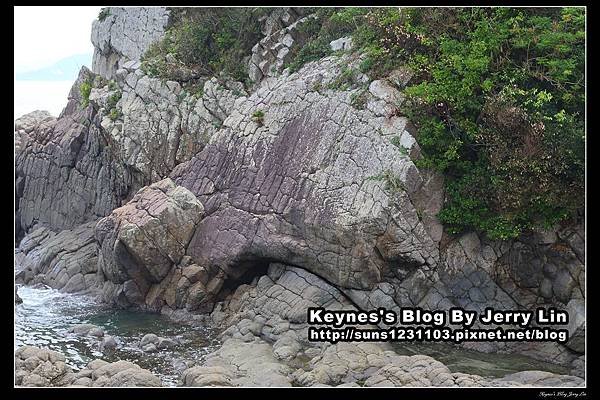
87 330
66 261
109 344
149 338
150 348
166 343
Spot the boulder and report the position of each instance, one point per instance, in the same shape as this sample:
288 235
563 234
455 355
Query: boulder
41 367
142 241
122 374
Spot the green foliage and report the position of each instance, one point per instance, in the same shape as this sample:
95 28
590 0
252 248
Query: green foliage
114 114
111 105
198 91
205 42
345 80
396 142
113 99
498 100
393 183
329 24
259 117
85 88
359 98
312 51
104 12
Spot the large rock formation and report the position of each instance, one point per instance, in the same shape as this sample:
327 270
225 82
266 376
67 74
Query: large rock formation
124 34
265 344
66 173
254 203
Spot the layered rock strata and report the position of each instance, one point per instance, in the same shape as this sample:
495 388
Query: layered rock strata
220 204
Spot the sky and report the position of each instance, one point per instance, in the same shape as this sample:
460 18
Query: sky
47 34
51 44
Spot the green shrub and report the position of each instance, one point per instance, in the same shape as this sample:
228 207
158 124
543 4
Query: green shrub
258 117
497 95
312 51
114 114
85 88
207 41
498 102
329 24
359 98
345 80
113 99
393 183
498 98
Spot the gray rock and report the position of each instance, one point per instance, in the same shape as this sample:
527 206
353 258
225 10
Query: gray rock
578 367
150 348
283 35
96 332
124 35
576 326
109 344
66 174
41 367
141 241
344 43
239 363
546 288
563 285
123 374
87 330
166 343
149 338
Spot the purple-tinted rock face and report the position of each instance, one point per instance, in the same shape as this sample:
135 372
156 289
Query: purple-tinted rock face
303 186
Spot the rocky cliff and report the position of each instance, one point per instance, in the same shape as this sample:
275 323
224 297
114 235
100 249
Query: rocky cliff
251 203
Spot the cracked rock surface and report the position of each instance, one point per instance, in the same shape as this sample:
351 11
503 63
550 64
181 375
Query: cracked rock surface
264 344
124 35
42 367
249 205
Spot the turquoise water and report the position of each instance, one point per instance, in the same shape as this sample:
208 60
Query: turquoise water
45 316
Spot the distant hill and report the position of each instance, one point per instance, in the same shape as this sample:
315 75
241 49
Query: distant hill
63 70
